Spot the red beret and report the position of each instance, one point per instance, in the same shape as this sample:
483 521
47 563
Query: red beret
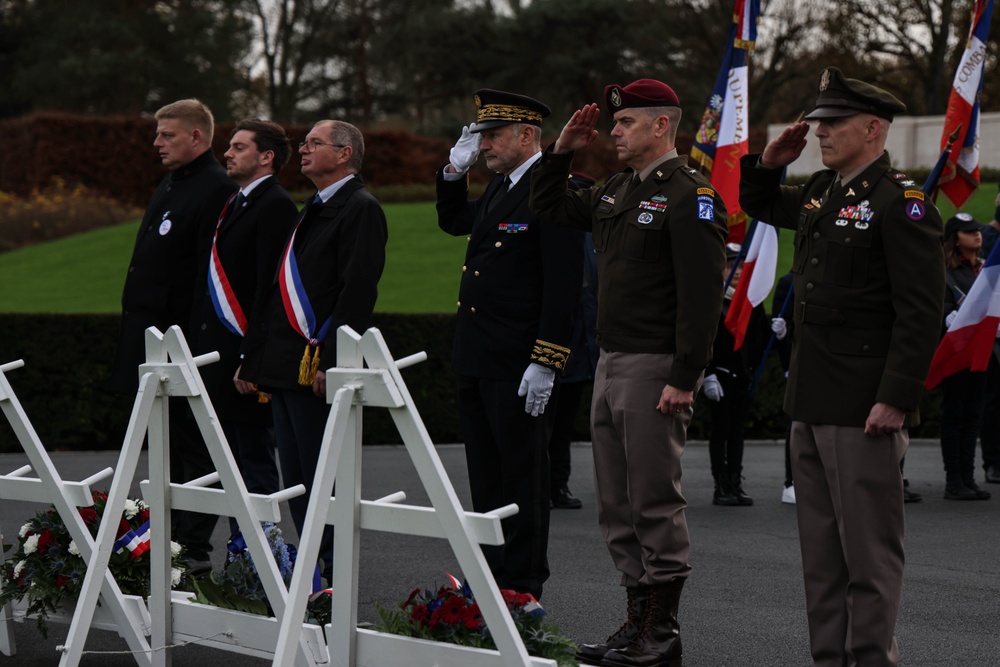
641 93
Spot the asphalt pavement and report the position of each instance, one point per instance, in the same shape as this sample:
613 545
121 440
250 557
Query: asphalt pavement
742 606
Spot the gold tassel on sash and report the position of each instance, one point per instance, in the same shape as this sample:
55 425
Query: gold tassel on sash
263 398
305 379
309 365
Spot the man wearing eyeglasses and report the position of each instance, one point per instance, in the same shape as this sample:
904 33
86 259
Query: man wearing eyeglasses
327 277
160 287
518 293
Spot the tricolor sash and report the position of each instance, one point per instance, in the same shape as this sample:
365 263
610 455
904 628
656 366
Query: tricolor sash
227 307
300 313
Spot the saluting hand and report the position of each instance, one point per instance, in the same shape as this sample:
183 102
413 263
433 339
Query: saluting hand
579 132
786 147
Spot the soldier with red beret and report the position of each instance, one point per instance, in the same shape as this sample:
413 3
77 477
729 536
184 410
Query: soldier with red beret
659 233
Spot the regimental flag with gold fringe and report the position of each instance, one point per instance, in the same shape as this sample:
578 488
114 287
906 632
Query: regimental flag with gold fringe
960 177
723 135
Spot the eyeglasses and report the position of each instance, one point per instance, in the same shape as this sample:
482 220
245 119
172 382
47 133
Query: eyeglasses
314 145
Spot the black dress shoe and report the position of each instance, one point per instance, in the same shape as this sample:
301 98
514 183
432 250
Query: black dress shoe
962 492
981 494
993 474
562 499
910 496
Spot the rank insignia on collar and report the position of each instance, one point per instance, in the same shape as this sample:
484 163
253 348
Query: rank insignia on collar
908 182
817 202
864 183
659 173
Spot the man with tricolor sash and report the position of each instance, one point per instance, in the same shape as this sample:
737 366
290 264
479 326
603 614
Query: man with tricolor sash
161 287
327 277
240 260
869 282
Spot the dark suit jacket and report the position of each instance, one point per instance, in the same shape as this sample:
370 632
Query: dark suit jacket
340 251
160 286
520 284
868 283
250 241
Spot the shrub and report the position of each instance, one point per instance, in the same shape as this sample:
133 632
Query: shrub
58 210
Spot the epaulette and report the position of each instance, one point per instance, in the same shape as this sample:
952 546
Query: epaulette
900 179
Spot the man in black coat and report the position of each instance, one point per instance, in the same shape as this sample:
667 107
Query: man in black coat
160 286
520 286
331 263
242 257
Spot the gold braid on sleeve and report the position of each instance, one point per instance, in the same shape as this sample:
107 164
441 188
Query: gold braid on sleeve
550 354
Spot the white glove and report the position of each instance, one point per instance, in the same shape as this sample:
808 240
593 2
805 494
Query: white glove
466 151
779 327
537 386
949 318
712 389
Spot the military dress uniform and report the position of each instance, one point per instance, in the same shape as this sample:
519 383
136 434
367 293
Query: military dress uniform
868 284
519 290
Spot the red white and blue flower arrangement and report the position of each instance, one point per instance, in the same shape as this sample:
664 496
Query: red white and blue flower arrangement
47 568
451 614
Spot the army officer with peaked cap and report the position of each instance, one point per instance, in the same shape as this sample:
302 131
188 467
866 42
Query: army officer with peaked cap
518 293
869 281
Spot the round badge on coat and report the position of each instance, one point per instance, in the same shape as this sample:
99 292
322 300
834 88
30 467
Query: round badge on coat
165 227
645 218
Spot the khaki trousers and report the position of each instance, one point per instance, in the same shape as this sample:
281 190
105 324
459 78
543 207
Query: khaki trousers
637 467
849 502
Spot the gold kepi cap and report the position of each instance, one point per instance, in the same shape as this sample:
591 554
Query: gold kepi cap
497 108
840 96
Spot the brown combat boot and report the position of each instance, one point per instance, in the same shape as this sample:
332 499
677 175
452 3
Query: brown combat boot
637 598
658 642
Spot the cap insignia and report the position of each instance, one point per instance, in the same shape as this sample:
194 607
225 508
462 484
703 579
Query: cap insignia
479 102
616 97
824 80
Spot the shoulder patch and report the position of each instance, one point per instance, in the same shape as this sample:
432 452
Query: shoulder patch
706 191
914 194
915 209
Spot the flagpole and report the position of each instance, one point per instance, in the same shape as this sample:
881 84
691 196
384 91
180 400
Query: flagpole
770 344
744 248
930 185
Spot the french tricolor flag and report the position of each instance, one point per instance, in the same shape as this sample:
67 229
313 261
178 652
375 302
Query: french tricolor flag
723 135
960 177
969 340
137 541
756 280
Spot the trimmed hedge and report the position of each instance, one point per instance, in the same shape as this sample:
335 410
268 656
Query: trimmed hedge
68 359
122 163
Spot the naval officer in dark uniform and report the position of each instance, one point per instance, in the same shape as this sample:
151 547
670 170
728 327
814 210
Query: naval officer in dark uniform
519 290
160 287
659 232
869 284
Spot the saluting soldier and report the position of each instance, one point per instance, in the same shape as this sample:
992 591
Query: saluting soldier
518 293
659 234
869 283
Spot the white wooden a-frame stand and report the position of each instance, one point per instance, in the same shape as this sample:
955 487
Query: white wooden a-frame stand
67 497
350 387
171 370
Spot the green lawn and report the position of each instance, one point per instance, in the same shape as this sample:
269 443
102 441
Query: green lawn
84 273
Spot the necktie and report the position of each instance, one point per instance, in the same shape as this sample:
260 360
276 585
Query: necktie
237 205
499 194
633 184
